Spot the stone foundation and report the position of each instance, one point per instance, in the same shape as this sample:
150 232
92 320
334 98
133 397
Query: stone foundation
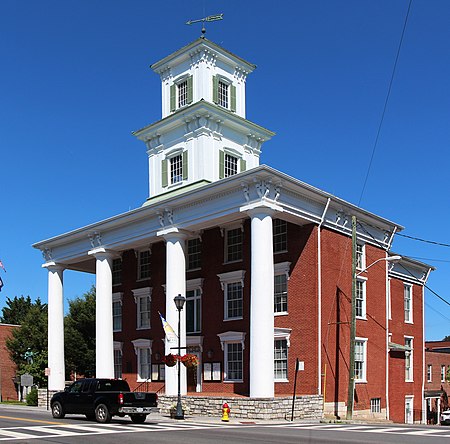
306 407
42 397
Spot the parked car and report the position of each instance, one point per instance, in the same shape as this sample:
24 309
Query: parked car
445 417
101 399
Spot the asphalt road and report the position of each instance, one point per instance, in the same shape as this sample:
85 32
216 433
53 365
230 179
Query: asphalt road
28 425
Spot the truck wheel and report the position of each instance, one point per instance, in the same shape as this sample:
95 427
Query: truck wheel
138 419
57 410
102 413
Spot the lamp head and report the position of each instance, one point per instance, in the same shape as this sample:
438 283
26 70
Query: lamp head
394 259
179 302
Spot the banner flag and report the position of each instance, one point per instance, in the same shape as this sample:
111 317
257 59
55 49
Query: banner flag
170 334
1 284
2 266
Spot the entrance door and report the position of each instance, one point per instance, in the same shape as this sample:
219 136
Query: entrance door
192 375
409 409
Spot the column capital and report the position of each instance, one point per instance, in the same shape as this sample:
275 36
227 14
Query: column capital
53 266
173 233
101 252
261 207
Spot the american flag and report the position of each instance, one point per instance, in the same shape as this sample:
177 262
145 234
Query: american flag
2 266
1 284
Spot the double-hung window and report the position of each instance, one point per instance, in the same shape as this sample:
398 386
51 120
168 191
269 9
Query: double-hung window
429 372
194 252
409 359
361 360
144 264
280 359
443 372
118 360
360 257
233 346
142 297
143 350
279 235
233 288
230 163
174 169
181 93
360 300
281 287
117 271
224 93
117 311
194 305
233 244
407 292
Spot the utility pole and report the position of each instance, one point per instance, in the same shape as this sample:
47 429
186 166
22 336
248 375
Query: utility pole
351 366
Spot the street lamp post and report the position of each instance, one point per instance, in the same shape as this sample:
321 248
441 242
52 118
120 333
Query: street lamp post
179 302
351 367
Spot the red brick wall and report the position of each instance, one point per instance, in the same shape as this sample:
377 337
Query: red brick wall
436 359
398 387
8 368
336 316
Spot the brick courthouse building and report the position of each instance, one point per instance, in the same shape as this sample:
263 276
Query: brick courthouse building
263 259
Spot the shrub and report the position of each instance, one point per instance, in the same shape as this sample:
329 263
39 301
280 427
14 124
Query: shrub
32 397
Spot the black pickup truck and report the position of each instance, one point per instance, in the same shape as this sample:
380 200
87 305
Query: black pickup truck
100 399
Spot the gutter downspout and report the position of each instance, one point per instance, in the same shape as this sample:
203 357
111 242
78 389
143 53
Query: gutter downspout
319 300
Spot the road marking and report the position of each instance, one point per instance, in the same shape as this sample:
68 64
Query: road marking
16 435
30 420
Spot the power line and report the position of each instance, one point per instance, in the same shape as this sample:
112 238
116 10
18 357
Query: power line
385 103
423 240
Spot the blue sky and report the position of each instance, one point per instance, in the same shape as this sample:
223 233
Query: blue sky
75 82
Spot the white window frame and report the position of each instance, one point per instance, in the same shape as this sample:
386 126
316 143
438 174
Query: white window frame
230 159
443 372
283 235
226 83
363 378
429 373
363 281
195 285
408 312
140 265
360 256
282 334
117 302
375 405
139 294
118 370
178 157
116 272
409 357
140 345
231 278
226 231
282 268
232 337
196 252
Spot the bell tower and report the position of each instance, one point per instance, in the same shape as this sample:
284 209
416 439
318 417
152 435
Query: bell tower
203 135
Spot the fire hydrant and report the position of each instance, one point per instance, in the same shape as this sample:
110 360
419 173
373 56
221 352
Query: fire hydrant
225 412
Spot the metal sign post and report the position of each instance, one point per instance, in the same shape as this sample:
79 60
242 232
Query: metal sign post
299 365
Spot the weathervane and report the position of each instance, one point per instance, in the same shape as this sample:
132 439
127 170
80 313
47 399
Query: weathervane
210 18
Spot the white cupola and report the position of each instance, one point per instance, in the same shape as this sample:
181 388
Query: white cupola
203 135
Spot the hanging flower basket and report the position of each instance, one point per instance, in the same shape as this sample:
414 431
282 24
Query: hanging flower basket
170 360
189 360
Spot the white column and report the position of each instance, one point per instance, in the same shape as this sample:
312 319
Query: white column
55 308
175 284
104 346
261 301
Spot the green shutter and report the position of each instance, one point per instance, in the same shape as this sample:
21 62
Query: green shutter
243 165
221 164
164 182
185 165
189 90
215 89
173 97
233 98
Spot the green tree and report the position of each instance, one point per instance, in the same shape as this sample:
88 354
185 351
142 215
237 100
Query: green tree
79 334
17 309
31 337
447 338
